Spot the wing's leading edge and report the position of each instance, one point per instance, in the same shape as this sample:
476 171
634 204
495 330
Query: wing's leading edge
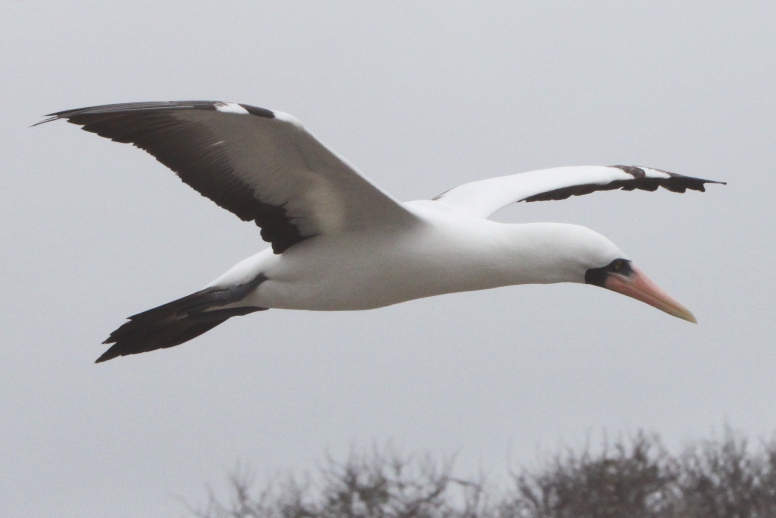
484 197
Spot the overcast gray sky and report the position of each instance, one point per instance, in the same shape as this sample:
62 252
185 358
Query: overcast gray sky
421 97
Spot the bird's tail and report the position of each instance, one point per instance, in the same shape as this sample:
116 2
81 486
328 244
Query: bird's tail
179 321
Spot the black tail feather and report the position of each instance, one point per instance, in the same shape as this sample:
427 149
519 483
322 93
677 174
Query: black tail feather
178 321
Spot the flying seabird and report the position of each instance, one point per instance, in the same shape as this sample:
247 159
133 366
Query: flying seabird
339 242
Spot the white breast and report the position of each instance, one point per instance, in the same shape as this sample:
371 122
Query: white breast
350 271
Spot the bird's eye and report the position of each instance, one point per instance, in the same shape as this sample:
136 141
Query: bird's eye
616 265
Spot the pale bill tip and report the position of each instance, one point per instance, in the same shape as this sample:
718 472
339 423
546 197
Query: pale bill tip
686 314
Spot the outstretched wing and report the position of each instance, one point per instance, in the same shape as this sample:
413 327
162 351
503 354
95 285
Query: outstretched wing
485 197
262 165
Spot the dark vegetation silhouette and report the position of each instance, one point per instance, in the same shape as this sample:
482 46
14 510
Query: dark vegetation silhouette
635 478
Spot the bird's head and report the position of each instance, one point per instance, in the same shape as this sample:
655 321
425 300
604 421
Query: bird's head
605 265
622 276
557 252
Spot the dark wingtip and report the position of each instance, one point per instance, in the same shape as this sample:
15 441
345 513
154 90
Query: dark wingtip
702 180
49 118
107 355
712 181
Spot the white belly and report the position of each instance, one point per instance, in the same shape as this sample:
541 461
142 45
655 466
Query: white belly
347 272
353 271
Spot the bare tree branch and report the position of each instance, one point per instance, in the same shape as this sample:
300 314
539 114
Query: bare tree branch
634 477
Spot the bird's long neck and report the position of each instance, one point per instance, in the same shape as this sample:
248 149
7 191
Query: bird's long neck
475 255
460 253
538 253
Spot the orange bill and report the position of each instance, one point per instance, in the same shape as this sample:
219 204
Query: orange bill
640 287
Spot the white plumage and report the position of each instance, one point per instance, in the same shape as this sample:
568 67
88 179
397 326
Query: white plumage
341 243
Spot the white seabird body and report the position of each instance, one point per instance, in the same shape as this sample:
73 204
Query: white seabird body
452 252
338 242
